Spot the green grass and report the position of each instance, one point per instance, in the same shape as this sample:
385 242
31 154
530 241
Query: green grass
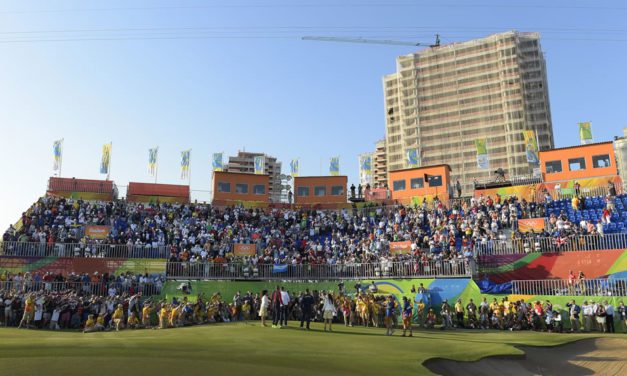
249 349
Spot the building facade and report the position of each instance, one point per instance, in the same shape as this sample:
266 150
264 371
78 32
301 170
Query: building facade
620 146
379 165
442 99
244 162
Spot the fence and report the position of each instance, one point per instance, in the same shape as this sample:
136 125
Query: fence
551 244
24 249
88 288
586 287
406 269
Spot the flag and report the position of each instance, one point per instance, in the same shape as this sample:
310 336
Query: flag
585 132
412 157
365 164
279 268
152 160
334 166
483 161
185 155
57 149
531 147
294 167
260 164
217 162
105 161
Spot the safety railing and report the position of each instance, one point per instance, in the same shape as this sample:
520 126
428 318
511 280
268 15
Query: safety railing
85 288
24 249
405 269
585 287
551 244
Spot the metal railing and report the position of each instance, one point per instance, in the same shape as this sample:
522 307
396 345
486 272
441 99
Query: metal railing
405 269
88 288
552 244
24 249
586 287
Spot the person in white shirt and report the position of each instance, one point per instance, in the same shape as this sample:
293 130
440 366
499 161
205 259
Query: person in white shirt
263 308
285 300
588 314
328 311
609 318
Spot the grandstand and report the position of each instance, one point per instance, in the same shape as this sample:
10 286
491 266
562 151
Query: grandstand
523 237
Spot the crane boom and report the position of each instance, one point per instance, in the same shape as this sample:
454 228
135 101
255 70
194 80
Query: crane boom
362 40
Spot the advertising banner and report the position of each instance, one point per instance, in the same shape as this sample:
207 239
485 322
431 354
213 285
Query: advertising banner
244 249
97 232
531 224
400 247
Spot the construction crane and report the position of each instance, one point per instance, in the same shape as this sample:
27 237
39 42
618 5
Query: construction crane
372 41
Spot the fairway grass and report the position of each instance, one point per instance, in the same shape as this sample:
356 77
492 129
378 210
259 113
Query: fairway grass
249 349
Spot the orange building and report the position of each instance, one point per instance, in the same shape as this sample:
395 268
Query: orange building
578 162
231 188
414 184
149 192
314 190
96 190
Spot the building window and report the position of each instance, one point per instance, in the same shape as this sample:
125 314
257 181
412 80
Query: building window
417 183
601 161
337 190
576 164
224 187
320 190
303 191
398 185
553 167
241 188
259 189
435 180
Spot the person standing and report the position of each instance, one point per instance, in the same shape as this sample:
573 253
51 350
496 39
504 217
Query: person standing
459 313
622 316
458 187
263 307
306 308
421 313
574 310
407 314
601 318
609 317
285 300
328 311
389 312
587 316
276 307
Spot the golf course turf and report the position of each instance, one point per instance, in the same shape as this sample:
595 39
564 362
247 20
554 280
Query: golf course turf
247 348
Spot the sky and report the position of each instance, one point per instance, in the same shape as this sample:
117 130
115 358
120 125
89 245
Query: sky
229 75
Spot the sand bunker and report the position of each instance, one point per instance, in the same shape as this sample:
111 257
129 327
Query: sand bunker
595 356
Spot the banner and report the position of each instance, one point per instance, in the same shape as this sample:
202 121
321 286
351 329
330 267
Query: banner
412 157
216 162
365 164
334 166
105 161
531 224
278 268
400 247
57 149
483 162
294 167
97 232
585 133
260 164
531 147
152 161
185 156
240 249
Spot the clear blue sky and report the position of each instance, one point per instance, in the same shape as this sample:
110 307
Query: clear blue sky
223 75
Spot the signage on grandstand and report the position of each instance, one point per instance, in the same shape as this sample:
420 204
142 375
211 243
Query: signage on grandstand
400 247
244 249
531 224
97 232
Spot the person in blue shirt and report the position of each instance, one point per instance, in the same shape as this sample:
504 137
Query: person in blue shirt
407 314
389 312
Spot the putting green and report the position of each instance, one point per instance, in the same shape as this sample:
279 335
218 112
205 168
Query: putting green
247 348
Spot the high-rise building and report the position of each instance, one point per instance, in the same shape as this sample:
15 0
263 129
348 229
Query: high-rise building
442 99
379 165
620 147
244 162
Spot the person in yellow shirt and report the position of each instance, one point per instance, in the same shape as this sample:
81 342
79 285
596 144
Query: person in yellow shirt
90 324
164 315
174 316
133 321
146 315
459 312
29 311
421 313
118 318
99 323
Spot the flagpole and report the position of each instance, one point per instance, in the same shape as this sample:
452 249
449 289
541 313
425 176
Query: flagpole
109 166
